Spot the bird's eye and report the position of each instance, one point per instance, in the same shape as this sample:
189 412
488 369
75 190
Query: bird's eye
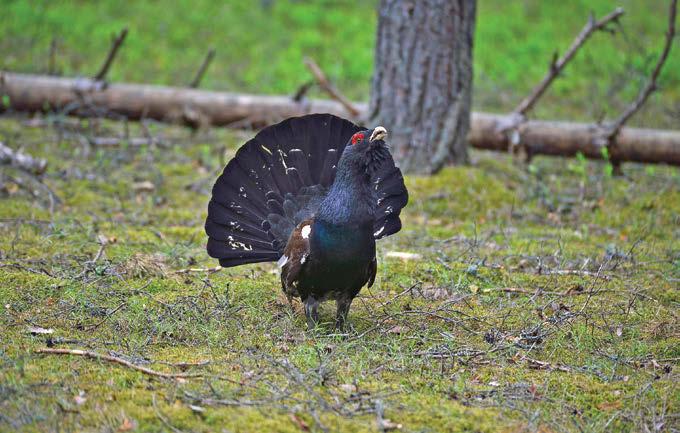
357 137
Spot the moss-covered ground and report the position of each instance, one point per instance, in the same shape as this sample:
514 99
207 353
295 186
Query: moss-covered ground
537 298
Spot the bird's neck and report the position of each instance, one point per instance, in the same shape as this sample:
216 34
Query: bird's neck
349 201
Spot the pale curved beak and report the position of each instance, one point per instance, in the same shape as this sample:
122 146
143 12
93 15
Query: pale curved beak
379 133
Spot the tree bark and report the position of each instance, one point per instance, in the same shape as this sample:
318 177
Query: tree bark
87 98
422 82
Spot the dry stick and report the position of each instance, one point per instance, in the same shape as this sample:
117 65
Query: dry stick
161 417
118 141
114 359
22 160
204 66
52 57
191 270
101 322
558 64
302 91
330 88
614 129
115 45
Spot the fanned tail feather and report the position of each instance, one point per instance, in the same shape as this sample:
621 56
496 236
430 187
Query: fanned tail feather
278 178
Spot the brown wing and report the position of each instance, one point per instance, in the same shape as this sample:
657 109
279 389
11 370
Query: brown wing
294 257
372 270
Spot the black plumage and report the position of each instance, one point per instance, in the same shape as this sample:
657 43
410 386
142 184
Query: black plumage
313 192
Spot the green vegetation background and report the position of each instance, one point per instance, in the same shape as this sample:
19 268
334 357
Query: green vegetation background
260 46
487 331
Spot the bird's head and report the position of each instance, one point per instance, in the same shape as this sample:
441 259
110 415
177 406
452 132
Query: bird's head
366 150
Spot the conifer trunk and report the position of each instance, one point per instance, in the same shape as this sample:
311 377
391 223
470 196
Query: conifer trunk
422 81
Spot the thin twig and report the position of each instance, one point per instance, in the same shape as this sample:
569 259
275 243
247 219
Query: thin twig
651 86
204 66
52 57
558 64
22 160
161 417
301 92
115 359
192 270
98 324
575 272
115 45
129 141
329 87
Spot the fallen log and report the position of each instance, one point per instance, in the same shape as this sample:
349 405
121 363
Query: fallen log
194 107
559 138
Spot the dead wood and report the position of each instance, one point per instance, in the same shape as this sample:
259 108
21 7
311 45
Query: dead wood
115 46
37 93
558 64
22 160
204 67
612 131
116 360
329 88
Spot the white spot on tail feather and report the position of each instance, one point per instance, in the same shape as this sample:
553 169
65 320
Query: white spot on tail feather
283 158
380 230
282 261
306 230
236 245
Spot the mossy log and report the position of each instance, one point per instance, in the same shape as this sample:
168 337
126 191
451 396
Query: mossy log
193 107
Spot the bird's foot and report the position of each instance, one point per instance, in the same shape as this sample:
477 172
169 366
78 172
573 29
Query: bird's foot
343 305
312 312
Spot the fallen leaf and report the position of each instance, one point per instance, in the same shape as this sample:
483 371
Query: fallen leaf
398 329
389 425
299 422
144 186
37 330
80 398
127 425
403 255
196 409
348 387
609 405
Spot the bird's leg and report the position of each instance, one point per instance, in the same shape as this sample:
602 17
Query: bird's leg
312 312
343 305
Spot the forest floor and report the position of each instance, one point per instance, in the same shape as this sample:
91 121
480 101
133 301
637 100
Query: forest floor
541 297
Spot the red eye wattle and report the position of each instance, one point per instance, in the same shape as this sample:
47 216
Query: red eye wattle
357 137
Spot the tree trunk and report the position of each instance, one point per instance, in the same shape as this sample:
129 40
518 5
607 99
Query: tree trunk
422 82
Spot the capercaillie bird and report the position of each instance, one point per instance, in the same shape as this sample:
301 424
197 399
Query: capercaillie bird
313 193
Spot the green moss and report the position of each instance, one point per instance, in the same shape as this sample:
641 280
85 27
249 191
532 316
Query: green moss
445 342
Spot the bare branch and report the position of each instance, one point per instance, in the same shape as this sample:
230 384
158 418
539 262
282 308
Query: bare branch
302 91
52 57
22 160
116 360
651 86
115 45
195 270
328 87
204 66
558 64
